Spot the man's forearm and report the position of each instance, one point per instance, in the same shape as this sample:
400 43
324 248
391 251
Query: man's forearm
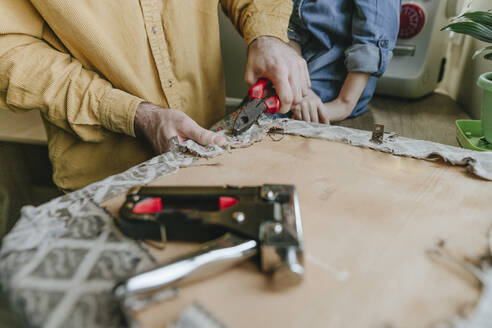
68 95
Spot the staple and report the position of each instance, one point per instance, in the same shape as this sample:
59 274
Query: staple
271 136
274 130
377 133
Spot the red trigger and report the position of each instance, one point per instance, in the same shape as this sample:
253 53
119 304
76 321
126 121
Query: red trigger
148 206
226 202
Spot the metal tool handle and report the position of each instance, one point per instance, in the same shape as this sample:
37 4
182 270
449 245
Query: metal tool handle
215 256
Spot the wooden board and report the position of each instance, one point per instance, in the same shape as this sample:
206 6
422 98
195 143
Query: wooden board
23 128
368 219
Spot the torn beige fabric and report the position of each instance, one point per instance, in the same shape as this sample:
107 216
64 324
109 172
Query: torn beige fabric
479 163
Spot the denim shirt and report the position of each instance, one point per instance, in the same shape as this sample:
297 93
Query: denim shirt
341 36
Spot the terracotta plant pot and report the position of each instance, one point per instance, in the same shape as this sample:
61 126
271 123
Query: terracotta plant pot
485 82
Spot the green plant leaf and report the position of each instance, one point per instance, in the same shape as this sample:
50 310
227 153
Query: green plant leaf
481 51
481 17
488 56
476 30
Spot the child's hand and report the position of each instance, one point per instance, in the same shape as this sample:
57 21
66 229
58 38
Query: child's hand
341 108
312 109
309 108
334 111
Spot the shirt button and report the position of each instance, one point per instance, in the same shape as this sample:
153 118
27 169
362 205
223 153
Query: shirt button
170 83
154 29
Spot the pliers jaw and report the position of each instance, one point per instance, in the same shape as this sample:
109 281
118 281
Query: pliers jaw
258 100
248 116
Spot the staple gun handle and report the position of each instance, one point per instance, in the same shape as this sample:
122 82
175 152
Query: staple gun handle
214 256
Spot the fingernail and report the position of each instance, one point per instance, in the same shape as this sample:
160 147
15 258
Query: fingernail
222 141
219 140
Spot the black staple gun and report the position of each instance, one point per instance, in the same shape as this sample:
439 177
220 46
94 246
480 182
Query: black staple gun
235 223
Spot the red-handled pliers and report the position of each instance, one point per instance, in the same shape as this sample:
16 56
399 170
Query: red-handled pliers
257 101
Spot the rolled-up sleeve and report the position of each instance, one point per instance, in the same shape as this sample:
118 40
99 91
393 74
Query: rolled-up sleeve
254 18
374 33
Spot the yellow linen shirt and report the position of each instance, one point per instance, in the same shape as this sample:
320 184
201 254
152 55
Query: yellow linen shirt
86 65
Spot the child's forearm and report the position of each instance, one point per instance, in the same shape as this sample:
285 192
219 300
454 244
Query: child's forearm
341 108
352 89
312 109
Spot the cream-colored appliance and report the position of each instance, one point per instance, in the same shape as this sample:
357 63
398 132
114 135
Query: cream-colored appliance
419 57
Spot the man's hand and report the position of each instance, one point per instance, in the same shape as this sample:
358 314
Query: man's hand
271 58
157 125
